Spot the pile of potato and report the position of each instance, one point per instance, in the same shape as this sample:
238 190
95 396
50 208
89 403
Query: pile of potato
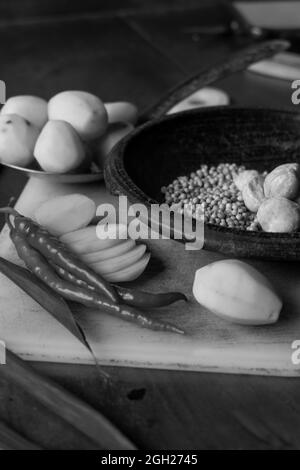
275 198
64 134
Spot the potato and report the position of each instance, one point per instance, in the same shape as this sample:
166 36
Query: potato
17 140
105 144
121 111
65 214
59 148
31 108
84 111
237 292
207 96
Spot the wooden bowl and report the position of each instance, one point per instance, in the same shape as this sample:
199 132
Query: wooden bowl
159 151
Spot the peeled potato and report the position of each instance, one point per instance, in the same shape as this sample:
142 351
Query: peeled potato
237 292
58 148
131 273
84 111
17 140
31 108
202 98
121 111
86 241
114 134
64 214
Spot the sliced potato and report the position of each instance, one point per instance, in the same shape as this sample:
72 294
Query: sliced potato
65 214
117 250
120 262
85 240
131 273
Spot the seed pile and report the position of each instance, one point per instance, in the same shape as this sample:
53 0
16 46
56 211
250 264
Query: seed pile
212 193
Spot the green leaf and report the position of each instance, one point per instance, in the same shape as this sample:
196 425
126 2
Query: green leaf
42 294
50 301
66 412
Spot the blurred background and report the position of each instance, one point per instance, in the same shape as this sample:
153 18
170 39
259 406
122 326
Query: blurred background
134 50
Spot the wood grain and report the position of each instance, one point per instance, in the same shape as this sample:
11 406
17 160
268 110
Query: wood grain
191 410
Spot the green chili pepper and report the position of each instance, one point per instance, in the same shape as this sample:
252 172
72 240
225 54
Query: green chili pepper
51 248
39 266
132 297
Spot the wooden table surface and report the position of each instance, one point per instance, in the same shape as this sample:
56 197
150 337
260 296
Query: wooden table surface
131 50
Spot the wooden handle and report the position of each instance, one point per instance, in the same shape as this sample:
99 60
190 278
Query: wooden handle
236 63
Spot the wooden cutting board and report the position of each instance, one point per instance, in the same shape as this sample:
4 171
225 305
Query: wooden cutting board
211 344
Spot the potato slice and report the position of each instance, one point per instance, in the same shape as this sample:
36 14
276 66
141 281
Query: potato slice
65 214
85 240
131 273
117 250
120 262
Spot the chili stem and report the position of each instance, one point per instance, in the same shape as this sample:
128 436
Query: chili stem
9 210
